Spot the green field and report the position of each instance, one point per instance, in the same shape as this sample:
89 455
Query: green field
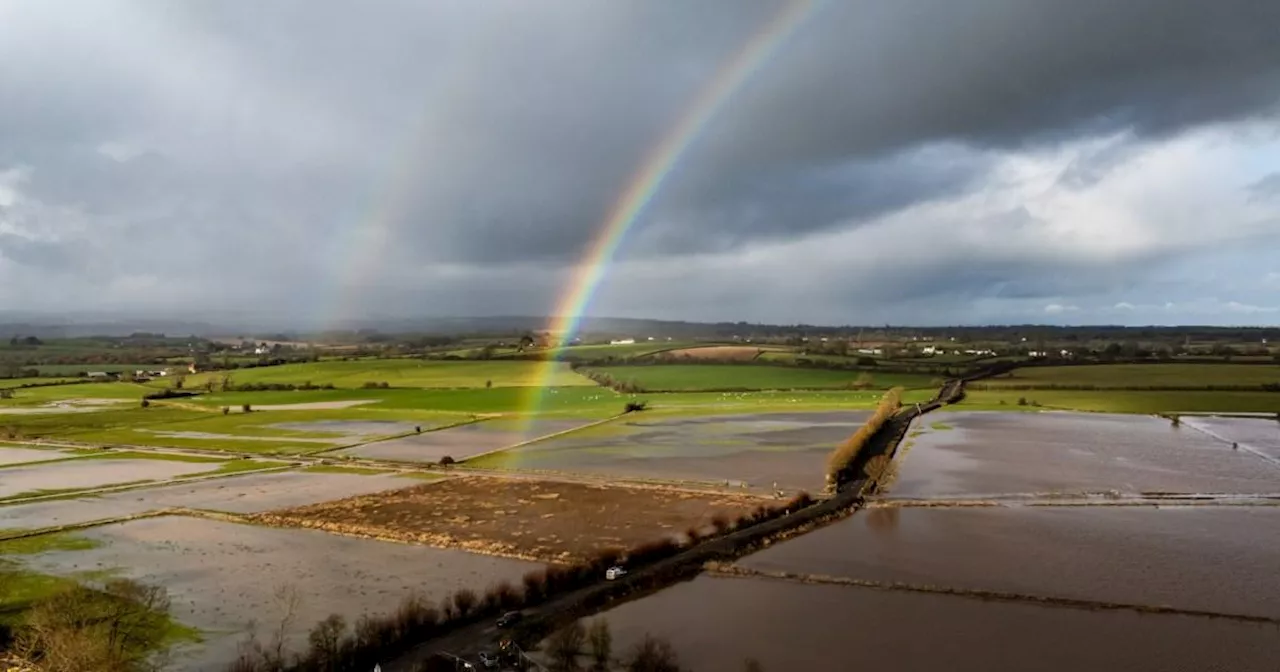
35 396
1120 376
680 377
400 373
1123 401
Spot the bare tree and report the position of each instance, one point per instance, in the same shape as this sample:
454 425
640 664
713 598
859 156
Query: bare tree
325 640
600 640
288 599
564 645
653 654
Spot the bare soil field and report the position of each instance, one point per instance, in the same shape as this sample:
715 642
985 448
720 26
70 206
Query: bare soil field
715 623
463 441
545 520
750 450
1209 558
16 455
977 454
744 353
224 576
251 493
82 474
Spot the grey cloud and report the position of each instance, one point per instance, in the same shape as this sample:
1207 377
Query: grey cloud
267 138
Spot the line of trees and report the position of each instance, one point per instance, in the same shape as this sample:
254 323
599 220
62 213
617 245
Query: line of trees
842 459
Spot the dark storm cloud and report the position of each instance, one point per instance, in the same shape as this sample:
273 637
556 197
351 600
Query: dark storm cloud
244 145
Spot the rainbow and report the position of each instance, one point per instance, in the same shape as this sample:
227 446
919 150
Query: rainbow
648 179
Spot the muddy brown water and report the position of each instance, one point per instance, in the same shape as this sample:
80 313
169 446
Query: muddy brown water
252 493
460 442
715 623
993 453
1209 558
757 450
10 455
93 473
223 576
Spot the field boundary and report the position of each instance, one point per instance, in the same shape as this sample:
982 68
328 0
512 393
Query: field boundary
546 437
403 435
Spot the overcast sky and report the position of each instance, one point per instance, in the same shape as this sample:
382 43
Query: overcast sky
911 162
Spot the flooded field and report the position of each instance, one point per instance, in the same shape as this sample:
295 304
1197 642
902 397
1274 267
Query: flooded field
716 623
223 576
554 521
1258 434
1205 558
463 441
250 493
757 450
17 455
89 473
349 429
975 454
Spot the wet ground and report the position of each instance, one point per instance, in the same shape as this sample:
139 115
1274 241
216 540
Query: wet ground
1220 558
717 623
240 494
89 473
223 576
461 442
975 454
15 455
757 450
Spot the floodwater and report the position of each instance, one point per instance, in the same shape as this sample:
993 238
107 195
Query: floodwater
461 442
749 450
1214 558
168 434
1258 434
10 455
992 453
223 576
80 474
251 493
715 623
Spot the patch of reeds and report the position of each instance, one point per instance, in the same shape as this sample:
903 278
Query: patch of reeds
846 454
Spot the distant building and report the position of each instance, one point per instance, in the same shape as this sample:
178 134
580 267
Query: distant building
101 375
623 341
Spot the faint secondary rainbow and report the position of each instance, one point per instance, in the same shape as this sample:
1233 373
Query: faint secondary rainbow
649 178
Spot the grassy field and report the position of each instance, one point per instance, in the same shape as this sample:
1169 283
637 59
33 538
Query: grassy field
1124 401
693 377
34 396
1119 376
623 351
400 373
